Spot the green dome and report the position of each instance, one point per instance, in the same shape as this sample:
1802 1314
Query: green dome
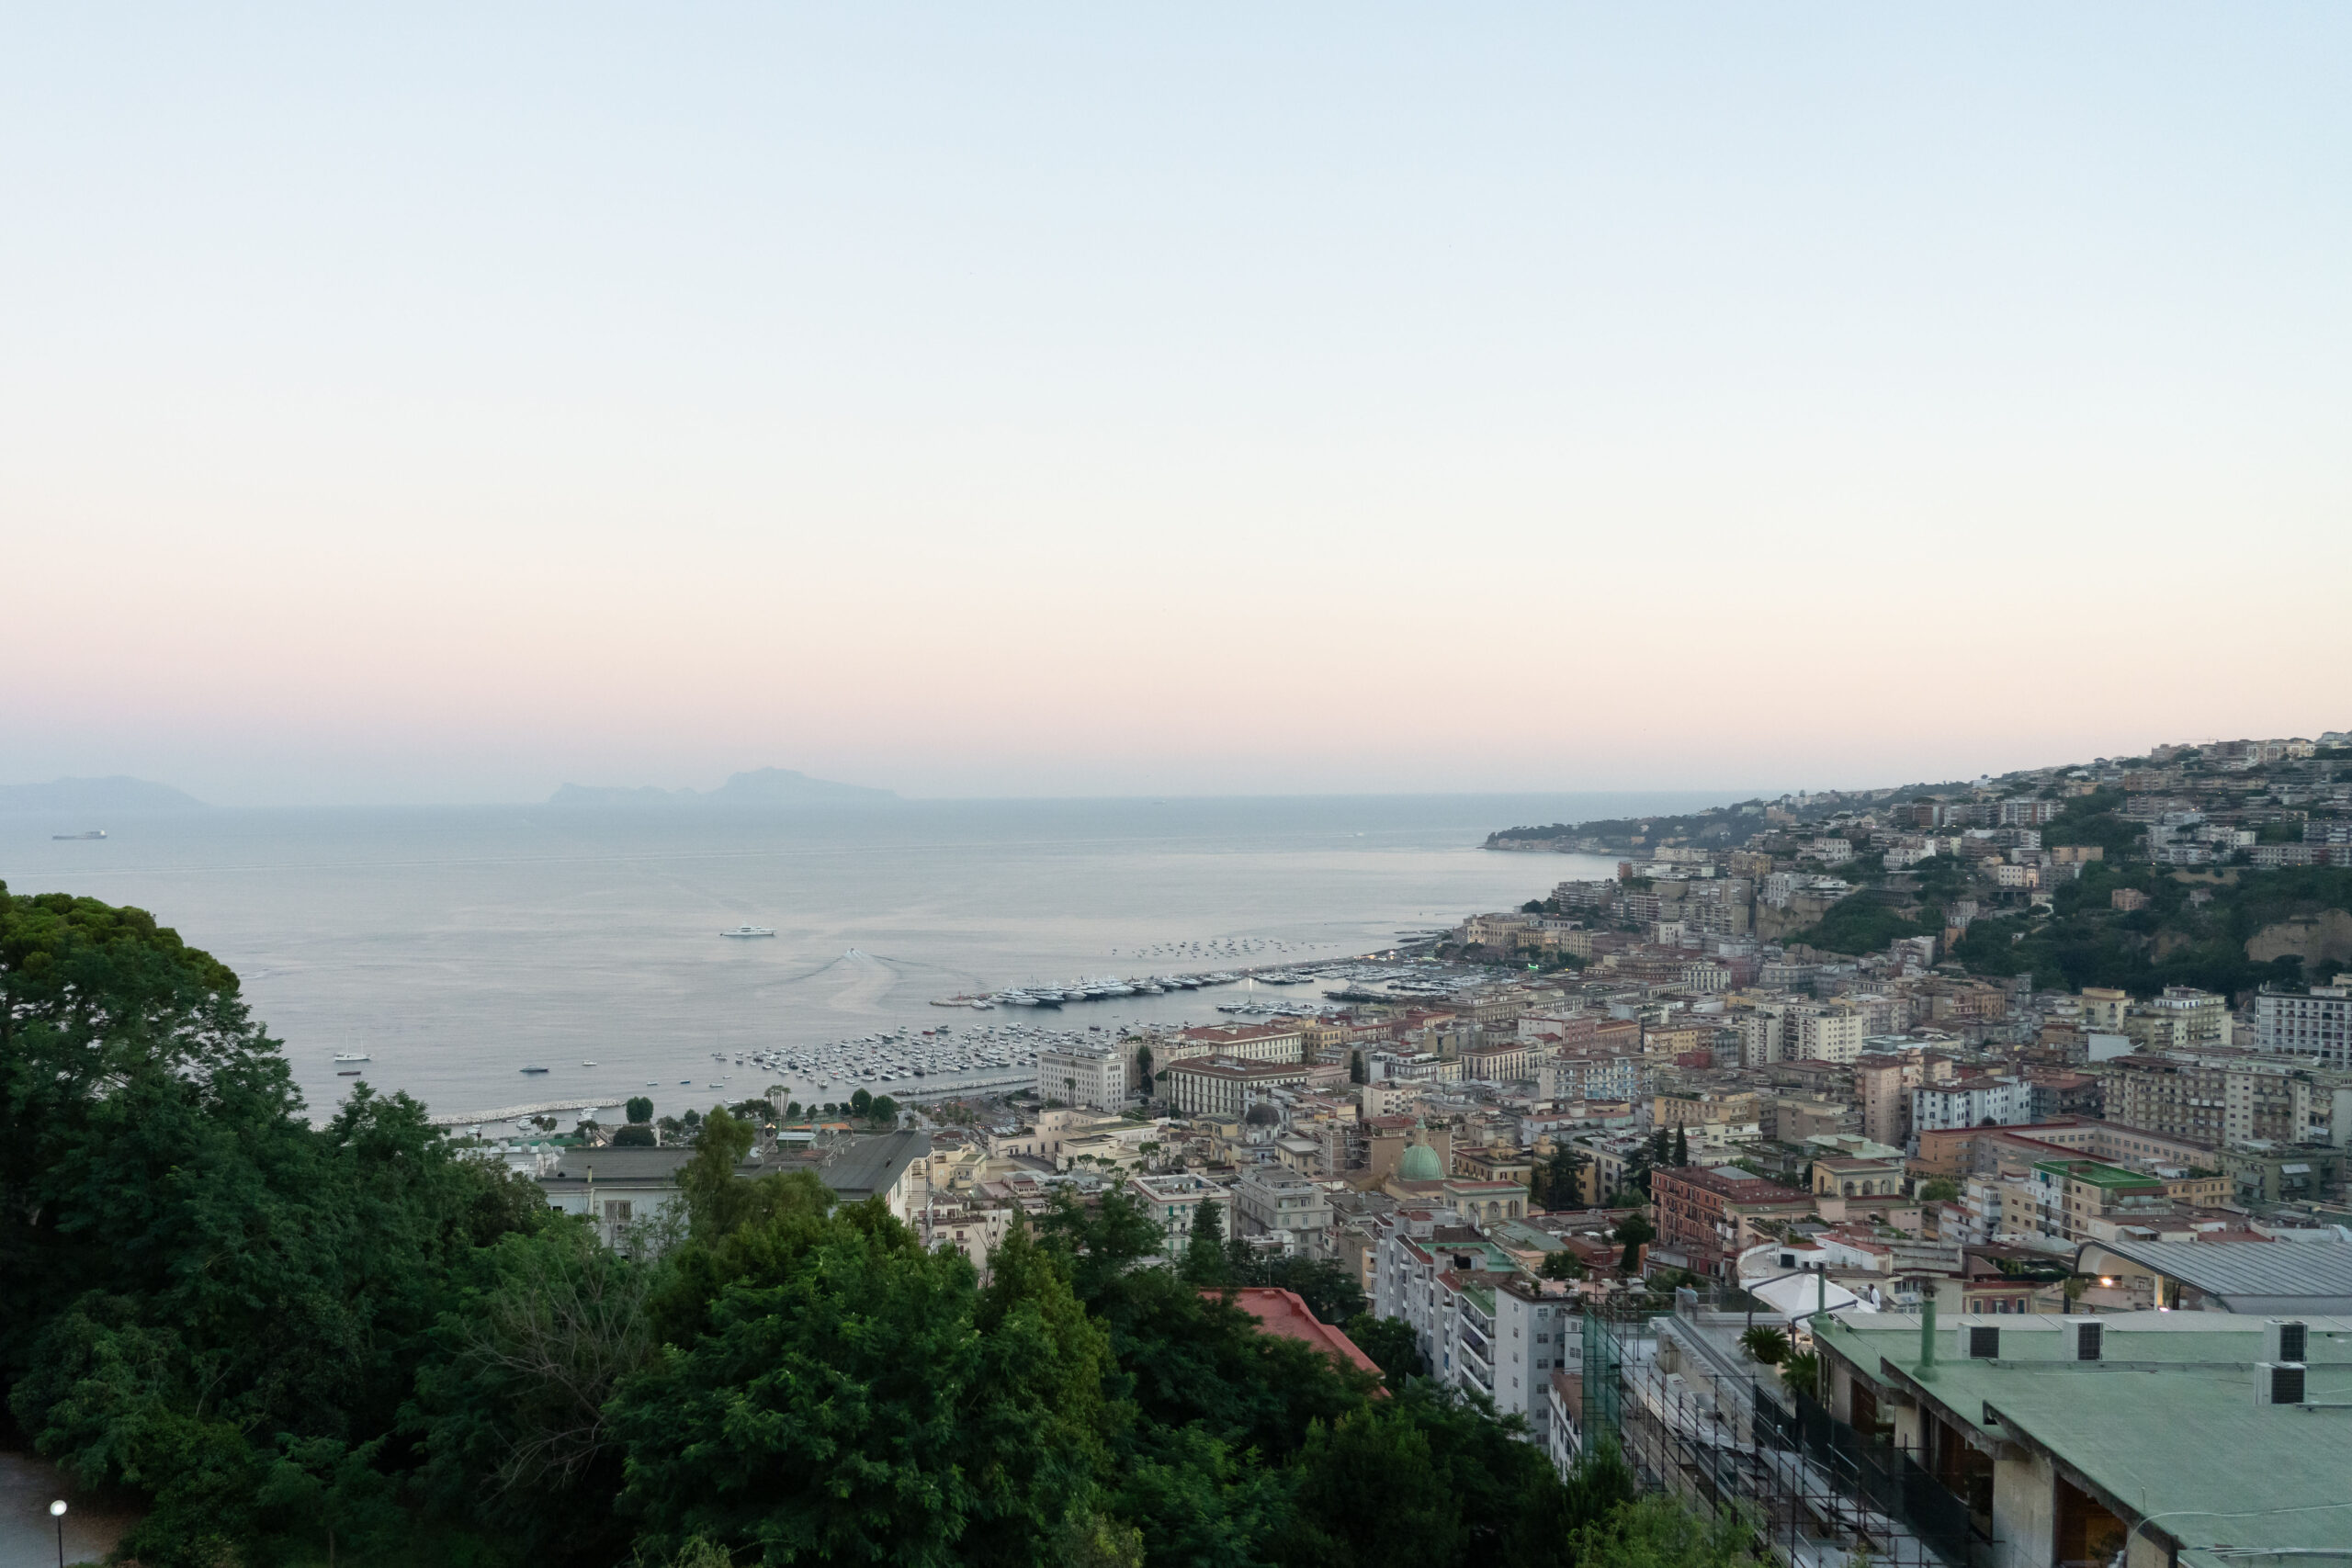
1420 1164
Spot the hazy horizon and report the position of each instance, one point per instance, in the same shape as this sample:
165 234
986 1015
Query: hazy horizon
440 405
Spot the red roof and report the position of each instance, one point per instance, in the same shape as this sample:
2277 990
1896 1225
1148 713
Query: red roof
1283 1313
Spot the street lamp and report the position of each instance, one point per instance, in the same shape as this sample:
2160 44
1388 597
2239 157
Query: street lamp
57 1512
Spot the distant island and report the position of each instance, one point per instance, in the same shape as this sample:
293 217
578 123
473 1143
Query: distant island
115 794
762 786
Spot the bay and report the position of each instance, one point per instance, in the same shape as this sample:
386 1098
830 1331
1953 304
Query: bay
455 945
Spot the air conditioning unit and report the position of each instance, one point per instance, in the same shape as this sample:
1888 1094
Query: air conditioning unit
2084 1336
2279 1382
1979 1341
2284 1339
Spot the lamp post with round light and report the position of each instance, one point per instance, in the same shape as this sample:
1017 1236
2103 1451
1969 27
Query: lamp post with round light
57 1512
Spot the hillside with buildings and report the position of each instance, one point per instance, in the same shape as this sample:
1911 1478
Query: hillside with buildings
1970 1074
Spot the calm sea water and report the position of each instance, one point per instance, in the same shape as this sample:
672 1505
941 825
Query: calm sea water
455 945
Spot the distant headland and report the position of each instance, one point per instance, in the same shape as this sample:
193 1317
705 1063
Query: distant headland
762 786
115 794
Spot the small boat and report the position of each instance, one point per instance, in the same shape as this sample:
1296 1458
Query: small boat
93 833
342 1058
534 1069
587 1064
348 1073
749 930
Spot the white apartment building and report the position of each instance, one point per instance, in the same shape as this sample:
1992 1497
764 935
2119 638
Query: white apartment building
1089 1073
1173 1202
1971 1103
2317 1023
1538 1330
1591 1078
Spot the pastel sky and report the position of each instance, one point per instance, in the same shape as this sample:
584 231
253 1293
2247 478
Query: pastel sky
441 403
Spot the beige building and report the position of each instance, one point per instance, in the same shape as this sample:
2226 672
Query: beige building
1828 1034
1221 1086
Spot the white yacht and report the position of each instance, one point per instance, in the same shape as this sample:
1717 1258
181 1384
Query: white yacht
750 931
345 1058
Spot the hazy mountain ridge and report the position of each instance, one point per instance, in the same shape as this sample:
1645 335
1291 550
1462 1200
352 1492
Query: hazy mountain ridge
117 793
761 786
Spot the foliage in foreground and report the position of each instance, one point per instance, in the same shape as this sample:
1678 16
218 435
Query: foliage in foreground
350 1344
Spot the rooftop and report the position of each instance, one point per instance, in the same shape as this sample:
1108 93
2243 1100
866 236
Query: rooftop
1285 1313
2249 1276
2252 1476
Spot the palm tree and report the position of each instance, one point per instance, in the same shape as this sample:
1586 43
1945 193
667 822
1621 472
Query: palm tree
1802 1374
1768 1346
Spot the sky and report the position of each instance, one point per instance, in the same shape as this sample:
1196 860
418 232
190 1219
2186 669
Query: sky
419 402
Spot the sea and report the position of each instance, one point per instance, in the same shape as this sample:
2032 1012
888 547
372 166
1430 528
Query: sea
455 946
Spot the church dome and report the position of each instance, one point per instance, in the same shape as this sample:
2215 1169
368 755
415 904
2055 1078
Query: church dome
1420 1164
1263 1115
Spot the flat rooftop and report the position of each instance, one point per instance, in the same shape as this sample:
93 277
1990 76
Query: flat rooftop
2165 1422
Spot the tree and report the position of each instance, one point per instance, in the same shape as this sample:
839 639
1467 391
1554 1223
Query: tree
1562 1265
861 1103
1143 1065
1389 1342
514 1403
1800 1371
1559 1180
1941 1190
635 1135
1633 1231
1682 1145
792 1110
889 1410
1204 1262
1356 1068
640 1109
1767 1345
1659 1532
882 1108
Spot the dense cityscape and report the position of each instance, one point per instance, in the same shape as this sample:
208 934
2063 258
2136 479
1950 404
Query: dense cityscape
1124 787
1791 1162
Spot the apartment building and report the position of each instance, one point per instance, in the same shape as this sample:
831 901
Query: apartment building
2072 1196
2181 1019
2313 1023
1708 1217
2213 1098
1088 1073
1971 1103
1175 1205
1538 1331
1580 1076
1272 1200
1828 1033
1222 1087
1246 1042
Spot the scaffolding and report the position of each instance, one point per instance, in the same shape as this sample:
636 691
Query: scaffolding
1695 1417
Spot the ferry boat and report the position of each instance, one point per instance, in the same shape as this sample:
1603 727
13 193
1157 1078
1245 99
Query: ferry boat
749 930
